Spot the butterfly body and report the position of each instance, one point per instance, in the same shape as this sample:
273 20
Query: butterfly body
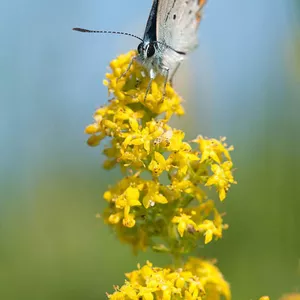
170 34
158 59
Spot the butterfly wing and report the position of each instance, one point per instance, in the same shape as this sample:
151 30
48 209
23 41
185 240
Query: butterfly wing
177 23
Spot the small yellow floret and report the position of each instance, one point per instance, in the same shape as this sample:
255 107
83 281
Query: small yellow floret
222 178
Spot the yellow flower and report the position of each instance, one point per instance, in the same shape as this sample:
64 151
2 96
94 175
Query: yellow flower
174 139
222 178
158 164
210 277
184 223
125 292
203 219
213 149
115 218
129 198
153 195
209 229
124 197
181 158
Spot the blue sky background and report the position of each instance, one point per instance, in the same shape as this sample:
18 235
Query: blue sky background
51 76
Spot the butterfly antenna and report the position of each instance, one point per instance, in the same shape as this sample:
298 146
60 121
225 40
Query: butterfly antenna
107 32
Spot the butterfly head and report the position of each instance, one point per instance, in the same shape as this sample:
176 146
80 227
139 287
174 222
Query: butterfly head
146 49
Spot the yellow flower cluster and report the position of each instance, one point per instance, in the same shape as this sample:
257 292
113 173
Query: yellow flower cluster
198 279
162 202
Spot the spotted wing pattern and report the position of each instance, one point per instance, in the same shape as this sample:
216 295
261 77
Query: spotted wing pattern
177 23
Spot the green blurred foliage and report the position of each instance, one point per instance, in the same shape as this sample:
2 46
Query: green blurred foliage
54 247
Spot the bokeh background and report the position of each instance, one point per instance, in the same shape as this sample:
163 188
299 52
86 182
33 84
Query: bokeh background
242 82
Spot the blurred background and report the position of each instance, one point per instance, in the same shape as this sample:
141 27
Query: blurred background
242 82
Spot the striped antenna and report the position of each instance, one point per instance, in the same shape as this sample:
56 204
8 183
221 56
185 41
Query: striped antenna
106 31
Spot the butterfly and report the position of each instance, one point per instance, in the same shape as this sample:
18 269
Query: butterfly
170 34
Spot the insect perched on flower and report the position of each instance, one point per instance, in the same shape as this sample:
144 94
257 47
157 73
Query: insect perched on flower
170 34
161 203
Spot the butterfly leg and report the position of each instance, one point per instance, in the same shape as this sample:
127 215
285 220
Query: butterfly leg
152 75
134 58
148 89
165 73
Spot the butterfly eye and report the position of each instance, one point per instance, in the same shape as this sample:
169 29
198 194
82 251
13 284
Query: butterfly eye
150 50
140 48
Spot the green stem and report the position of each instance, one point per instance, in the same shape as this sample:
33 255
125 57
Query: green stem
177 260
